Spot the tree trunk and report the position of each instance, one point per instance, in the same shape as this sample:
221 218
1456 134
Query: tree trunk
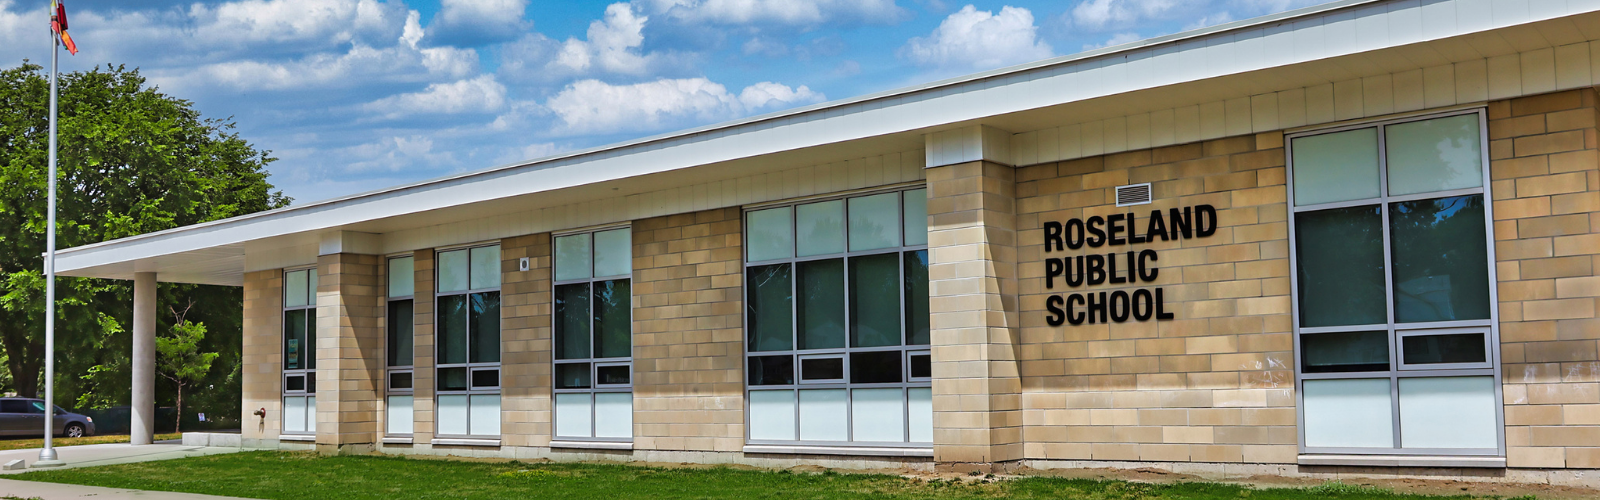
24 359
178 426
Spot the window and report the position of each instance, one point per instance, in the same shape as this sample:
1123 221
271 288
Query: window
1394 305
300 351
398 376
836 322
467 344
594 335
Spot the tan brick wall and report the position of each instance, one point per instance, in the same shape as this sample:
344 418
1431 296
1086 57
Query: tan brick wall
261 377
972 291
350 349
688 346
525 340
422 346
1546 188
1215 384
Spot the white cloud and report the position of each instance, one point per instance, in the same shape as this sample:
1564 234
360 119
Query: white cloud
250 24
592 106
1211 19
611 47
477 22
361 65
1117 39
478 95
973 39
1101 14
781 12
394 154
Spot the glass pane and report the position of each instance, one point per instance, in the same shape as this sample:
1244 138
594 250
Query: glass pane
824 415
613 253
398 415
1351 413
771 234
821 303
1452 348
1441 259
921 366
402 277
294 288
920 409
1448 412
822 369
877 367
294 414
572 321
769 313
453 415
771 370
485 415
613 414
917 311
294 339
875 300
877 415
311 414
308 349
573 415
311 381
1341 267
485 379
486 267
452 379
1334 167
613 325
486 327
819 228
1434 155
916 217
572 257
1345 352
453 271
311 287
772 415
400 380
612 375
572 376
452 327
875 222
400 332
294 383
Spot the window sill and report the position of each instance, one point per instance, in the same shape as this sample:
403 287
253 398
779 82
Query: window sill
466 442
593 445
1403 461
297 437
397 440
838 450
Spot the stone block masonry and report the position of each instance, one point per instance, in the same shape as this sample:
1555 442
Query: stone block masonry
525 341
261 377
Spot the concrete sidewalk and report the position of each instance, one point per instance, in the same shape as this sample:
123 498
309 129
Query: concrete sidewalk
114 453
53 491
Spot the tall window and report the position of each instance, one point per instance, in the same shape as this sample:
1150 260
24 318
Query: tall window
594 335
836 321
1394 303
402 287
300 351
468 342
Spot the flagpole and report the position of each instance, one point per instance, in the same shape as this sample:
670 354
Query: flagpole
47 456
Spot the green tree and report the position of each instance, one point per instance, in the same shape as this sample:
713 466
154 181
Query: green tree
132 160
179 360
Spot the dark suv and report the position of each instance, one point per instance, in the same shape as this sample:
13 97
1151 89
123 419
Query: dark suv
25 417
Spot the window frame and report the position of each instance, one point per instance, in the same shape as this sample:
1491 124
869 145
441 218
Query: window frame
595 363
1395 330
308 392
468 366
409 368
796 354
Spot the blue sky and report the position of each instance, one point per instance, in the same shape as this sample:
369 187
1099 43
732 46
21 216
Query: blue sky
355 95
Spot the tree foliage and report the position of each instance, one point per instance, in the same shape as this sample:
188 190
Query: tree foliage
132 160
179 359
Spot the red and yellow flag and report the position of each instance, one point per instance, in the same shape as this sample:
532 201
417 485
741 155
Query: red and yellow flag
58 24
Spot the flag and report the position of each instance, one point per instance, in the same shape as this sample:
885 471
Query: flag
58 24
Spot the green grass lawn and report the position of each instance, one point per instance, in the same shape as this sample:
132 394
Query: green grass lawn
282 475
23 444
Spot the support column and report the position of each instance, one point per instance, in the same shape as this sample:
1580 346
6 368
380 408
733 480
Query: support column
349 350
143 426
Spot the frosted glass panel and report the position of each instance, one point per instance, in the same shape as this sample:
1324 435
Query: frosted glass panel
920 409
453 271
399 415
613 414
916 217
1349 413
1336 167
878 415
485 415
572 257
402 277
294 288
1448 412
311 287
1434 155
294 414
771 234
772 415
485 267
824 415
453 415
875 221
613 252
819 228
311 414
573 416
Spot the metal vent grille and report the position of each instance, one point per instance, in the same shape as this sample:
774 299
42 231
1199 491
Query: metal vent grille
1133 194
